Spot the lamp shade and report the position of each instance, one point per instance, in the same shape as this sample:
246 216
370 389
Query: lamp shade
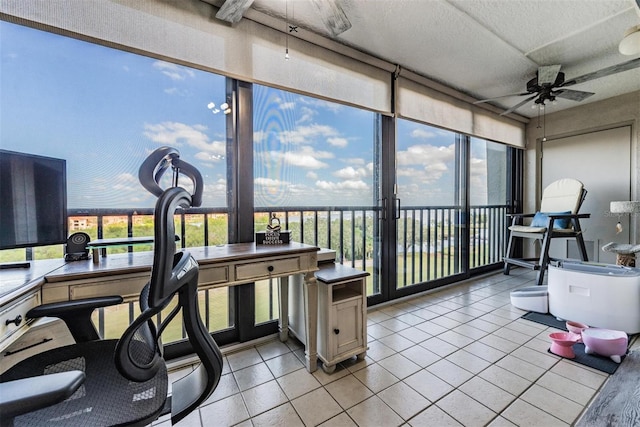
630 44
624 207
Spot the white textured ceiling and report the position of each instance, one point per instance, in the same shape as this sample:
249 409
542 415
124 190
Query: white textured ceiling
485 48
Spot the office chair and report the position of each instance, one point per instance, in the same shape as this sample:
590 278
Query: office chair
558 218
97 382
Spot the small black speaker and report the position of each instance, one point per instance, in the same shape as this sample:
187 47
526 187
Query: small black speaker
76 249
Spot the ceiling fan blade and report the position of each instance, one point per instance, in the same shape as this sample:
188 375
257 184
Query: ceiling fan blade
333 16
629 65
548 74
573 95
515 107
232 10
503 96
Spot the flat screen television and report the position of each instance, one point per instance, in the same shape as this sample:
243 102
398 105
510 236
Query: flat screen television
33 200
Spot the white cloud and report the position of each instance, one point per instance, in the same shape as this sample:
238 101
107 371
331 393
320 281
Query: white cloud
173 71
423 134
259 136
312 175
176 134
425 163
306 115
304 160
287 105
338 142
307 134
343 185
350 173
319 103
269 182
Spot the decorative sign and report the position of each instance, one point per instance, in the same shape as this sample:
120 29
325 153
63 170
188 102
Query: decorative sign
273 235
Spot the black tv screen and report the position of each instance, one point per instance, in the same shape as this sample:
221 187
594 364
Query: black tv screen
33 200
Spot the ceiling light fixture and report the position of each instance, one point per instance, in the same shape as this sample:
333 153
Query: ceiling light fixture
630 43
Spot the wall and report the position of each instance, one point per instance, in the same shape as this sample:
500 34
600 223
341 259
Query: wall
597 116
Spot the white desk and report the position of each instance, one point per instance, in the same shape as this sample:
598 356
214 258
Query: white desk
126 274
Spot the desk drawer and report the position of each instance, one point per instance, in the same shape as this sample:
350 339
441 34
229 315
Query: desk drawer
17 313
262 270
213 275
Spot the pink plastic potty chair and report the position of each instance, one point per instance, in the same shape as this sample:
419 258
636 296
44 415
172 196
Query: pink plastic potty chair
605 342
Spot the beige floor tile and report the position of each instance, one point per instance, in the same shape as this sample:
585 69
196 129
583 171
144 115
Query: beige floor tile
348 391
375 377
506 380
316 407
226 387
543 360
283 415
378 331
526 327
374 411
520 367
485 352
394 324
433 416
438 309
377 316
298 383
499 343
414 334
539 344
399 366
449 372
425 314
225 412
580 374
552 403
438 346
466 410
511 335
501 422
445 322
340 420
272 349
252 376
244 358
194 419
263 398
491 396
431 328
428 385
490 317
468 361
284 364
420 356
378 351
524 414
354 364
566 387
404 400
410 319
483 325
396 342
455 339
459 316
324 378
470 331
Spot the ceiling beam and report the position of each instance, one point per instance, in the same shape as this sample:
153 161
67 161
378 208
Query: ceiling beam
333 16
233 10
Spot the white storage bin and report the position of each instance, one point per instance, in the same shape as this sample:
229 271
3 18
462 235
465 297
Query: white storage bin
600 295
533 298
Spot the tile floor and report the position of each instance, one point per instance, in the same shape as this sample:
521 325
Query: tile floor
457 356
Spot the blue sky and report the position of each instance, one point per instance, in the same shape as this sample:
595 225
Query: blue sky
104 110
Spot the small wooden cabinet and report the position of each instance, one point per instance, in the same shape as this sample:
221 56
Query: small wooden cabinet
342 314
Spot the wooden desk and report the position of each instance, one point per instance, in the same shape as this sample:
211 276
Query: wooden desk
225 265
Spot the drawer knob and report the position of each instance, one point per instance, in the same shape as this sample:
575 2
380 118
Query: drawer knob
17 321
336 331
270 268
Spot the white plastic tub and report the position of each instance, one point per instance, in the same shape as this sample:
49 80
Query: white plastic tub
600 295
532 298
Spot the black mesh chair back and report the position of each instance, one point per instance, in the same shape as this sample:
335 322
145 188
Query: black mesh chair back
126 380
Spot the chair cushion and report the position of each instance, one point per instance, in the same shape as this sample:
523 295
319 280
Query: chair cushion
541 219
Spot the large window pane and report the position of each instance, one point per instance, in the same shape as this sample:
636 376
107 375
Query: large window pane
428 236
314 168
488 198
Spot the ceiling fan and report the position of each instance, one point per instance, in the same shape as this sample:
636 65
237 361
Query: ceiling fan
550 83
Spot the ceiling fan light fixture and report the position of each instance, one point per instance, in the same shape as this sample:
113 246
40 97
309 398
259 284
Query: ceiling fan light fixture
630 43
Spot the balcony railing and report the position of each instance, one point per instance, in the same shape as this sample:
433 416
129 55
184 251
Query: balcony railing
429 243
